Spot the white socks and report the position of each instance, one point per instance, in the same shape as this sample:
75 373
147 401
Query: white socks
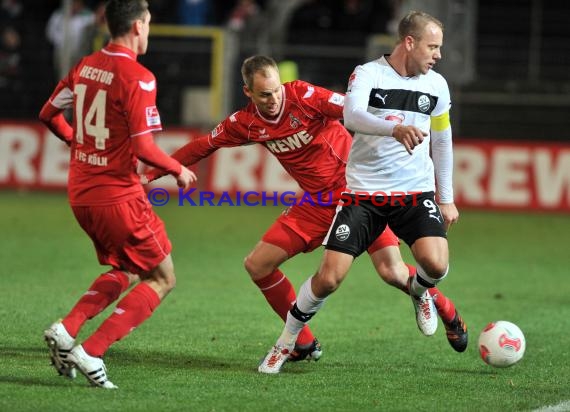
421 282
305 308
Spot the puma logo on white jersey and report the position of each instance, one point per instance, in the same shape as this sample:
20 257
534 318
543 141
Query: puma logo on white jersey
383 98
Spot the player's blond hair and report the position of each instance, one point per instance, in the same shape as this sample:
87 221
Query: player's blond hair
256 64
414 23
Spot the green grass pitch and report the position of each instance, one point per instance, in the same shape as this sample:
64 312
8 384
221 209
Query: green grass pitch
200 350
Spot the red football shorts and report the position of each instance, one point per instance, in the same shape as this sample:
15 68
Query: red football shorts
302 228
386 238
128 235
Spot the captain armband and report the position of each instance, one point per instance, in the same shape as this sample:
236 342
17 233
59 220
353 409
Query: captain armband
441 122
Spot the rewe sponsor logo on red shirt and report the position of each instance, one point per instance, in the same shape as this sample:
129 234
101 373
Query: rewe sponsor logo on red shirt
290 143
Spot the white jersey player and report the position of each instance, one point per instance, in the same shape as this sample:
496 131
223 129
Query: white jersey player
379 161
395 105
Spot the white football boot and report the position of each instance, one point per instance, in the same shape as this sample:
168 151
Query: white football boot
91 367
275 359
426 313
60 343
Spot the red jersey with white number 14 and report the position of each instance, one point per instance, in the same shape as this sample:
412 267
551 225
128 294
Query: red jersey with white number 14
113 99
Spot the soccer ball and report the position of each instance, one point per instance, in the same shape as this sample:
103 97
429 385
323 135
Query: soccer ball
501 344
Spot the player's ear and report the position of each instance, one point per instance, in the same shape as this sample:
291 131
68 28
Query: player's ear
409 42
246 91
137 26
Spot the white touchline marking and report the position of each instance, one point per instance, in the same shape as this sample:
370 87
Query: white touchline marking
561 407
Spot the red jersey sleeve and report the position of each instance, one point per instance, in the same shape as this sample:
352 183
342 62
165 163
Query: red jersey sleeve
52 111
146 150
143 116
187 155
53 118
324 101
194 151
225 134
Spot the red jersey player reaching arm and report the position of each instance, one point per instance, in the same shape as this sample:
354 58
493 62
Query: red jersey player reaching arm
299 124
113 99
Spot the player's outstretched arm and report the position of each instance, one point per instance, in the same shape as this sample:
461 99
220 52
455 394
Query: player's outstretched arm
187 155
146 150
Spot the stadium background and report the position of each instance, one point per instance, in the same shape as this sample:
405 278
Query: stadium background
507 63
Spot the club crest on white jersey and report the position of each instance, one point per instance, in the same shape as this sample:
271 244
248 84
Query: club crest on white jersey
423 103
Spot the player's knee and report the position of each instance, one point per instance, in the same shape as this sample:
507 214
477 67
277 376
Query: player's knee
132 278
325 284
250 266
256 269
165 276
165 282
170 282
435 268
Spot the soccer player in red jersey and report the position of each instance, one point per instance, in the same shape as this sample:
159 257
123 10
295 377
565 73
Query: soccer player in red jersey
113 99
299 124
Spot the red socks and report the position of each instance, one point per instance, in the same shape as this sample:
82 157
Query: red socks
105 290
444 305
131 311
280 295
